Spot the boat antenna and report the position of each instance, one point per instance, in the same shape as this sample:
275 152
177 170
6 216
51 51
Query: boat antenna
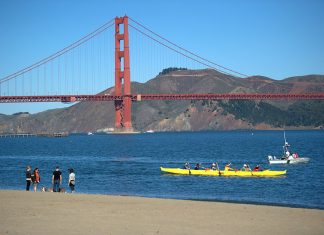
286 143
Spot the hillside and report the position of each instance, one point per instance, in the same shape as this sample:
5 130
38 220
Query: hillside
188 115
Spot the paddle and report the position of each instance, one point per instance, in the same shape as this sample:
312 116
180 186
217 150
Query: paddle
187 166
219 173
250 169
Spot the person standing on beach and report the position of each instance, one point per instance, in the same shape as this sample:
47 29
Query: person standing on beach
72 180
36 178
28 177
56 179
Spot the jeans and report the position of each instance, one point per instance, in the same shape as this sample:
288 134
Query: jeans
56 186
27 185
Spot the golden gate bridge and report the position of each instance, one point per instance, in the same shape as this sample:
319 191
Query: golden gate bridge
76 69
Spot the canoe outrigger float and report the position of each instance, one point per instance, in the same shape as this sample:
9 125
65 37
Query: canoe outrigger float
210 172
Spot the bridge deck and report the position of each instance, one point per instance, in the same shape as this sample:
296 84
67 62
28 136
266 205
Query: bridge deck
140 97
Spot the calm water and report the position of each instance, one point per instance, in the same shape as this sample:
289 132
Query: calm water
129 165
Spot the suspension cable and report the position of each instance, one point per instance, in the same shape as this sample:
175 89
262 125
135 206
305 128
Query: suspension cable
177 51
191 53
60 52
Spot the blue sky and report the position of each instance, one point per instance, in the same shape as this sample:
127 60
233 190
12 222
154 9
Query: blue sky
274 38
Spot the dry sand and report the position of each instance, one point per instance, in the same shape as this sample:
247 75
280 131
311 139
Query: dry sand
55 213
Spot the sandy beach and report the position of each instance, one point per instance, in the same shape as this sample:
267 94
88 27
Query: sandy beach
56 213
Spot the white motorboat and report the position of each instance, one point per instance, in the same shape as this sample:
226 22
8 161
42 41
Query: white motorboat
288 157
292 159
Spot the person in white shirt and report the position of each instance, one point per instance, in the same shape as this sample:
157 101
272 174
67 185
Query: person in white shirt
287 154
71 180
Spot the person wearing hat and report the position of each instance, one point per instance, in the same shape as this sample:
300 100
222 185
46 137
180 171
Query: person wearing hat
246 167
186 166
56 179
214 166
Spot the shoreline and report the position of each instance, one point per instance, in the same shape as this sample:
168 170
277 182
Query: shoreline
195 199
214 200
255 203
182 131
24 212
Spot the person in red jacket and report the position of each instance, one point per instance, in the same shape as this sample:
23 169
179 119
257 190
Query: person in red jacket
35 178
257 168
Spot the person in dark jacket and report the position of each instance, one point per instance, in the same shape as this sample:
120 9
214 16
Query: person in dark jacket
28 177
57 179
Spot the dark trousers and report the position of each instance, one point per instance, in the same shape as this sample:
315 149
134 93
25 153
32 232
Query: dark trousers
56 186
28 185
72 187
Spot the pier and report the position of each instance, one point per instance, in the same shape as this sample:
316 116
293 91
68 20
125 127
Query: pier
23 135
17 135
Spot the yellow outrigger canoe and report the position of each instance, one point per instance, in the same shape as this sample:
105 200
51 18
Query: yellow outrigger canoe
209 172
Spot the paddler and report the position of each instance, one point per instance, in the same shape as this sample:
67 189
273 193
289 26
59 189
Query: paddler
197 167
257 168
213 166
228 167
186 166
246 167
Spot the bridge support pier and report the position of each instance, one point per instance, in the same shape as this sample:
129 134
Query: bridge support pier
123 108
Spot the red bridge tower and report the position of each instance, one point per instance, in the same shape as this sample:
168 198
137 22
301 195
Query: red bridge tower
123 108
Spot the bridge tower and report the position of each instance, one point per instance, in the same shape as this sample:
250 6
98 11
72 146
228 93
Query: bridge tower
123 119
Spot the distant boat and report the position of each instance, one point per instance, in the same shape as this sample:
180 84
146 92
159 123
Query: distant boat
288 157
149 131
90 133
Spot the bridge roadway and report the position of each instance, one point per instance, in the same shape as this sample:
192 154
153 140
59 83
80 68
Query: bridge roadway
142 97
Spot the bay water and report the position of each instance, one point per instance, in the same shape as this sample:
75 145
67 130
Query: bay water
129 164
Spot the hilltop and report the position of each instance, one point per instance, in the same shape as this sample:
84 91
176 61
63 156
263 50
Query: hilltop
188 115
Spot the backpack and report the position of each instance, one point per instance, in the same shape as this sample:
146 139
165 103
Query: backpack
33 178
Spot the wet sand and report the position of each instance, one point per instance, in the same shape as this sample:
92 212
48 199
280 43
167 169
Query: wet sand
57 213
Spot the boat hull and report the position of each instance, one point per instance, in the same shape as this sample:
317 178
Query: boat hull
273 160
209 172
180 171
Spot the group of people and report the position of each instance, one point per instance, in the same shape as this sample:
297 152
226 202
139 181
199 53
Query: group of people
33 177
228 167
214 166
245 167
